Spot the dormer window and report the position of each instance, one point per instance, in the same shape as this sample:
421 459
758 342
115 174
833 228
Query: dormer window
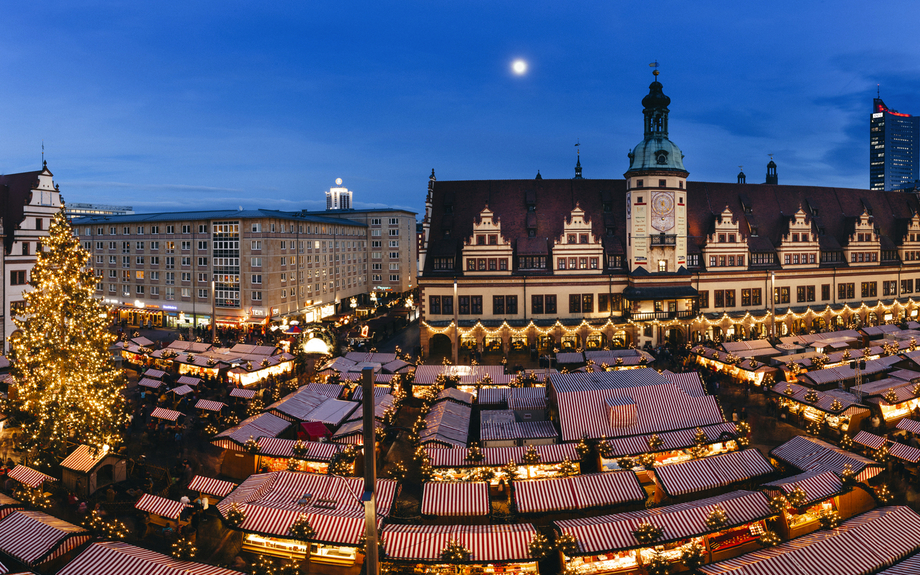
795 237
721 238
493 240
607 207
570 239
480 240
639 184
582 238
662 183
731 238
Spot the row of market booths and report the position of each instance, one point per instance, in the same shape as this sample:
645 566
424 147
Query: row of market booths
312 426
242 364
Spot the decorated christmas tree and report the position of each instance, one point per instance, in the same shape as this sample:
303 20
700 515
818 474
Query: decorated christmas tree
68 389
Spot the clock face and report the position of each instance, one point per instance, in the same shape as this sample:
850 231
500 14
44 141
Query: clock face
662 211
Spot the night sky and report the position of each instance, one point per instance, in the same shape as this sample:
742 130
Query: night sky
199 105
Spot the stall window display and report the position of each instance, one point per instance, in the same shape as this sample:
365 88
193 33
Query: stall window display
292 549
281 464
605 562
735 537
810 514
675 456
477 569
461 474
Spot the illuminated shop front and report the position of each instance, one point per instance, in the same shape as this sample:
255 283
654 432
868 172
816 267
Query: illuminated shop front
253 372
611 543
675 446
275 454
741 370
836 409
453 465
480 549
292 549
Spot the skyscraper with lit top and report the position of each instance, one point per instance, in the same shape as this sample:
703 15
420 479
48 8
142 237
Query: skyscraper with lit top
894 157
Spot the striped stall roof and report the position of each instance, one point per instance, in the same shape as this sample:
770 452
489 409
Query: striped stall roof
379 391
257 426
29 476
242 393
615 532
817 485
82 460
151 383
188 380
711 472
396 366
808 453
209 405
660 405
160 506
492 396
570 357
870 440
155 373
671 440
316 450
273 501
910 425
578 492
864 544
8 505
456 499
487 543
182 390
167 414
447 423
383 378
211 486
121 558
491 431
825 399
297 406
498 456
905 452
689 382
331 390
909 566
34 538
468 374
527 398
454 394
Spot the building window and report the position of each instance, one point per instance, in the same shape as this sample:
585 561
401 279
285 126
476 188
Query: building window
464 304
869 289
781 295
756 297
536 304
704 299
256 296
434 305
498 305
256 262
662 265
907 286
575 303
825 292
476 304
562 262
846 291
18 277
890 287
745 298
532 262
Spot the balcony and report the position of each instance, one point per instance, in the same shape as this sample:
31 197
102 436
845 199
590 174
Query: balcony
659 315
659 240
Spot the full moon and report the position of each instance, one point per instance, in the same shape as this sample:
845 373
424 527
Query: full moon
519 67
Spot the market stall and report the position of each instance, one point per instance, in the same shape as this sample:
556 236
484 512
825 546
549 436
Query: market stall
453 465
579 492
611 543
117 557
8 505
444 502
251 370
150 383
700 475
166 414
864 544
839 410
824 492
37 539
85 472
486 549
28 476
215 489
276 453
160 513
239 462
812 454
330 504
674 447
241 393
209 406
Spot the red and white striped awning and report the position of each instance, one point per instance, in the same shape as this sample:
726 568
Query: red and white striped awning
29 476
341 528
182 390
151 383
456 499
864 544
211 486
242 393
487 543
870 440
115 557
671 440
808 454
817 485
81 459
167 414
154 373
498 456
579 492
160 506
188 380
910 566
615 532
910 425
34 538
712 472
905 452
316 450
209 405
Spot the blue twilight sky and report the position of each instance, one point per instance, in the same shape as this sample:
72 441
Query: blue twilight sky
188 105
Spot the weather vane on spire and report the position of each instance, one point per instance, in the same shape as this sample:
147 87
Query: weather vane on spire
43 152
578 147
655 66
771 157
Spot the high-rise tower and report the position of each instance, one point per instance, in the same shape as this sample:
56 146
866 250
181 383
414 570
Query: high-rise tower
894 157
339 197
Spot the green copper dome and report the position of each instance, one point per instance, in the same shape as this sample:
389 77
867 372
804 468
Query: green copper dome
656 151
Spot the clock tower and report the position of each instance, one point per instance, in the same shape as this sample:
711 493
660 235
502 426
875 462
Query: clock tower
656 200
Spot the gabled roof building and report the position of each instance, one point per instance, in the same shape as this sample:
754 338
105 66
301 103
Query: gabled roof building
655 256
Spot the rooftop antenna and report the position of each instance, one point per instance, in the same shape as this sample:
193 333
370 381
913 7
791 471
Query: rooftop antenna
655 66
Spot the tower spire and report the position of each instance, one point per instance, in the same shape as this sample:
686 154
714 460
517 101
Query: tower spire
578 161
